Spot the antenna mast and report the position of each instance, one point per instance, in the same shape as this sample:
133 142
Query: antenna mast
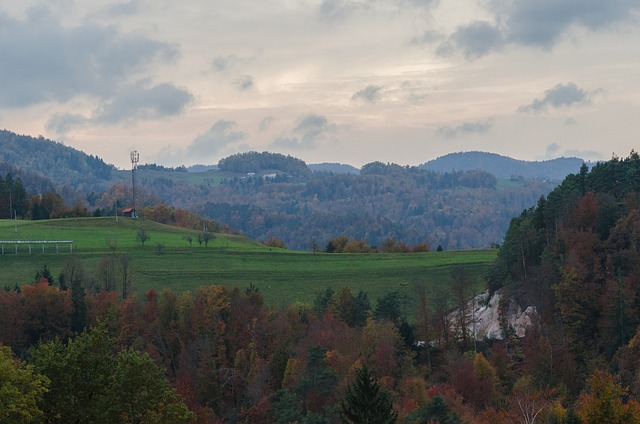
135 158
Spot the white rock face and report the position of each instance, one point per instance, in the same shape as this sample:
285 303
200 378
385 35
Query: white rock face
483 317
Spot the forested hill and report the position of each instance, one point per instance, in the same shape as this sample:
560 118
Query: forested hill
505 167
62 165
576 257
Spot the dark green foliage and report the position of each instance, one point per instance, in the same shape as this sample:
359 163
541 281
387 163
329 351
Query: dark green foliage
265 161
93 383
13 197
287 408
63 165
79 314
366 402
388 307
435 411
321 302
44 273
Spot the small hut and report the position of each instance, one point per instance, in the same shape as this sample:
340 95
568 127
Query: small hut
130 212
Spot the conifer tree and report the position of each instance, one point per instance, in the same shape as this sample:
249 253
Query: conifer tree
366 403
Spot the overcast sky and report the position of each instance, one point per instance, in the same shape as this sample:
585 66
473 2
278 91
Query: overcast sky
405 81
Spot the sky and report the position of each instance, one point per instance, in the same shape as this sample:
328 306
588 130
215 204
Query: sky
348 81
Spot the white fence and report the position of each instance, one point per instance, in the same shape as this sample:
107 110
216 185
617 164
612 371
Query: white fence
31 243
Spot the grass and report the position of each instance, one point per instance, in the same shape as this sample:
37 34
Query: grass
282 276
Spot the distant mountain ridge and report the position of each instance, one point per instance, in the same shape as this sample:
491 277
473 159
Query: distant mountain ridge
505 167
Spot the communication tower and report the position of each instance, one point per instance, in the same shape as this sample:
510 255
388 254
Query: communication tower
135 158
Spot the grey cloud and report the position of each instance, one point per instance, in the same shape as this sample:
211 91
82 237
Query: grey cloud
562 95
224 63
63 123
266 123
584 154
369 94
474 40
220 136
243 82
337 10
306 133
43 61
137 101
542 22
122 9
465 129
535 23
133 102
420 3
552 150
427 37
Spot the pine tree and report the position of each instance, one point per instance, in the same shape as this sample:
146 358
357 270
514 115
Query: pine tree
366 403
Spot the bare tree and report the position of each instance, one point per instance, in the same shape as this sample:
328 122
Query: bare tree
106 272
461 290
142 236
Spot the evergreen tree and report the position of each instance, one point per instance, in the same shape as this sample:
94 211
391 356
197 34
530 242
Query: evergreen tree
366 403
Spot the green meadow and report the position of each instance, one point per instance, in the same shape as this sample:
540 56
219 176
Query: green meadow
168 261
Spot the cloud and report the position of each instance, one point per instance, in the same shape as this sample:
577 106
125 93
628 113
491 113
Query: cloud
224 63
464 129
370 94
63 123
541 23
562 95
427 37
243 82
219 137
45 61
308 130
338 10
122 9
266 123
554 150
533 23
137 101
474 40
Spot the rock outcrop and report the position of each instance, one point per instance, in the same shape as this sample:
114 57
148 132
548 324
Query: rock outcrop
484 320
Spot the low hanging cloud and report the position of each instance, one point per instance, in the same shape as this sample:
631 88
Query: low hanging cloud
467 128
370 94
46 61
308 130
561 96
554 150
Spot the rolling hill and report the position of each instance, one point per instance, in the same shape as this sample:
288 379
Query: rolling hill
168 260
506 167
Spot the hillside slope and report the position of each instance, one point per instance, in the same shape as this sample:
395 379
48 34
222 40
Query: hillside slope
505 167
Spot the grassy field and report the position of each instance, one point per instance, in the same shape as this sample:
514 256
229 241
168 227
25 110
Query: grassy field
282 276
